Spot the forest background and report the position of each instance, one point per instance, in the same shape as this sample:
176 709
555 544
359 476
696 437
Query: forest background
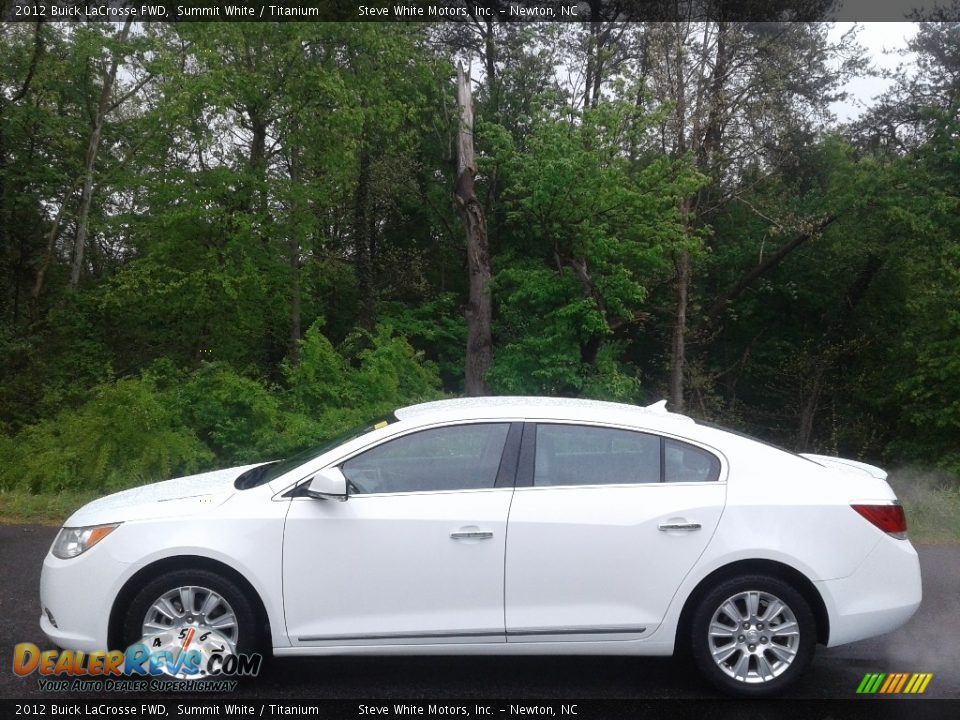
221 243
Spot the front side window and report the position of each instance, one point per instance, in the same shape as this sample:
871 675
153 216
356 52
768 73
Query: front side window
582 455
458 457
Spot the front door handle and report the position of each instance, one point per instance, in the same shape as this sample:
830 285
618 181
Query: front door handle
679 526
471 535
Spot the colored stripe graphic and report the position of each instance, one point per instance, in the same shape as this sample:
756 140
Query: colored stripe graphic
894 683
903 680
919 683
870 683
891 680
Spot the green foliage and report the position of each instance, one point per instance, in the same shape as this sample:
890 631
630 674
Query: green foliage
931 500
374 374
20 391
18 506
126 434
235 416
438 328
168 422
255 180
612 379
391 372
543 320
591 230
318 379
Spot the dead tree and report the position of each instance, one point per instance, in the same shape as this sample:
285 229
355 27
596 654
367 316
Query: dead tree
478 312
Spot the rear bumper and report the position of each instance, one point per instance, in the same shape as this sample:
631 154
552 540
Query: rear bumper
880 596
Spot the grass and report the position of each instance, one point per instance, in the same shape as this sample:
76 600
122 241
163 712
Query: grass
932 504
17 506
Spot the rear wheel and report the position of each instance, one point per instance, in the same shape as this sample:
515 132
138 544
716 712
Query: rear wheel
753 636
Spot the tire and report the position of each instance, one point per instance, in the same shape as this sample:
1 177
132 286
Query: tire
224 597
778 634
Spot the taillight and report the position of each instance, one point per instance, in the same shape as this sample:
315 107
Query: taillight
890 518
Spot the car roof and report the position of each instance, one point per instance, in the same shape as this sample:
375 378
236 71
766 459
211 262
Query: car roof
548 408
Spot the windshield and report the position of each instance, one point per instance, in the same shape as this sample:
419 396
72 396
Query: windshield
265 473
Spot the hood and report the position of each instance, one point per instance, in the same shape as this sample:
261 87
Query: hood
180 496
847 465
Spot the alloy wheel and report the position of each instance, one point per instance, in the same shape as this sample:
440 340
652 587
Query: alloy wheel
191 606
754 636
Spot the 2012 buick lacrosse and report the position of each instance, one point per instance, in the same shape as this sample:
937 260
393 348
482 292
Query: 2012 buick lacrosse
503 525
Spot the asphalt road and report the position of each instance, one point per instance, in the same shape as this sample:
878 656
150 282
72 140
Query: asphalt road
930 642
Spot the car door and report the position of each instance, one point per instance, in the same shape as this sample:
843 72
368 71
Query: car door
415 554
604 525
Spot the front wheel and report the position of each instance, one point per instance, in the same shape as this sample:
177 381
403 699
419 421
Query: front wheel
191 604
752 636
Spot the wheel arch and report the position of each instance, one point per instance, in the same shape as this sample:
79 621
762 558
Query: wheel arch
773 568
183 562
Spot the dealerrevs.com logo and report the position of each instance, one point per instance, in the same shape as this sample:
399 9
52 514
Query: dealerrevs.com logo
181 659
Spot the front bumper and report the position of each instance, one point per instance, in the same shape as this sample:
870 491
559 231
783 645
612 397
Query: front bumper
880 596
79 594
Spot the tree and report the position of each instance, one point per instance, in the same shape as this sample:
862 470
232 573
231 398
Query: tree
271 253
908 113
741 95
591 232
17 95
104 105
478 251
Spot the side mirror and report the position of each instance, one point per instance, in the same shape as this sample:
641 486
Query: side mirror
329 484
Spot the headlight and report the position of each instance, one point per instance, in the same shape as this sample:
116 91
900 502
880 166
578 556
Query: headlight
73 541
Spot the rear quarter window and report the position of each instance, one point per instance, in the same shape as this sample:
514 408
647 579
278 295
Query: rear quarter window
683 462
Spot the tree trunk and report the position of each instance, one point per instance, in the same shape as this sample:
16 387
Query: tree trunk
253 198
5 215
832 342
678 345
809 409
48 257
596 41
478 311
490 58
361 233
588 73
294 301
599 49
713 133
295 246
93 147
709 145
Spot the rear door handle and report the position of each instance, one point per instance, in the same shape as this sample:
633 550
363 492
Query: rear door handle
471 535
679 526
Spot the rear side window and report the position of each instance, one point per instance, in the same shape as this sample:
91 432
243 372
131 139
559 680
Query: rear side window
589 455
687 463
582 455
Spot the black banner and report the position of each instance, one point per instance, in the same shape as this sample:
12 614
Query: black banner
163 707
472 10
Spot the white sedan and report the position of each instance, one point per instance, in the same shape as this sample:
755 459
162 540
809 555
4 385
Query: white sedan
503 525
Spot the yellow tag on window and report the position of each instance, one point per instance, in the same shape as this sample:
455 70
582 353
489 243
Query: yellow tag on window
380 425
